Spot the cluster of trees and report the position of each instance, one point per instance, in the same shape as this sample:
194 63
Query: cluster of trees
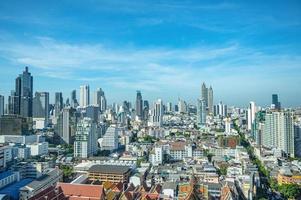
67 172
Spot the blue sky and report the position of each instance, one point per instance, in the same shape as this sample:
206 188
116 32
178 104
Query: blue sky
246 50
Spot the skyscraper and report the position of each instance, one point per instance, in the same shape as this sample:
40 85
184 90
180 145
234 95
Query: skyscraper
24 93
182 106
1 105
139 105
84 96
74 102
41 106
169 107
157 113
58 103
66 125
210 100
145 109
100 99
13 103
251 114
201 113
86 136
275 102
207 96
278 132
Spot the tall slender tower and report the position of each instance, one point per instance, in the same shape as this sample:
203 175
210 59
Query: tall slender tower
84 96
58 106
251 114
24 93
205 94
139 105
210 100
157 113
275 101
74 102
100 99
201 113
41 106
1 105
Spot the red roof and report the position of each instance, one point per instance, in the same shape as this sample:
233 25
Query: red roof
82 191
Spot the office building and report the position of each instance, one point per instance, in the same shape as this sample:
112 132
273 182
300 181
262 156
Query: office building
110 140
66 125
74 102
278 132
86 136
1 105
157 114
38 148
251 115
182 105
207 96
204 92
24 93
275 103
13 104
210 100
145 109
92 112
41 106
201 113
220 110
59 103
139 106
15 125
84 96
169 107
227 122
100 99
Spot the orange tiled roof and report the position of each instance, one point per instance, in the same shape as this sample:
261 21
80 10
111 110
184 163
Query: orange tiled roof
82 190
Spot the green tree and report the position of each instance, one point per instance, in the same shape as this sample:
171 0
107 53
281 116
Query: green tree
290 190
67 171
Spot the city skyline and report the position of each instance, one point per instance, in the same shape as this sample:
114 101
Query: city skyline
166 50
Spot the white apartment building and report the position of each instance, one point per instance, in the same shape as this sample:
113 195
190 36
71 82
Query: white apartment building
86 136
110 139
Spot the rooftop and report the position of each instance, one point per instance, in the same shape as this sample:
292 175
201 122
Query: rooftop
13 189
5 174
110 169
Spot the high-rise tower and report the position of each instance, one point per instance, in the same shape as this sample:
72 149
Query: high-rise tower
24 93
139 105
84 96
58 103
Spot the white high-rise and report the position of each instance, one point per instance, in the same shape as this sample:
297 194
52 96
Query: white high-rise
182 106
110 139
251 114
86 136
278 132
100 99
201 113
169 107
157 113
227 122
84 96
157 157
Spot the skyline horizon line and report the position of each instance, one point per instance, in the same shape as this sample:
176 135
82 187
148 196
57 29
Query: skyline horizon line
92 91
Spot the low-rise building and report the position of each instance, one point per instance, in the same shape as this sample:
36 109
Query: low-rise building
111 173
